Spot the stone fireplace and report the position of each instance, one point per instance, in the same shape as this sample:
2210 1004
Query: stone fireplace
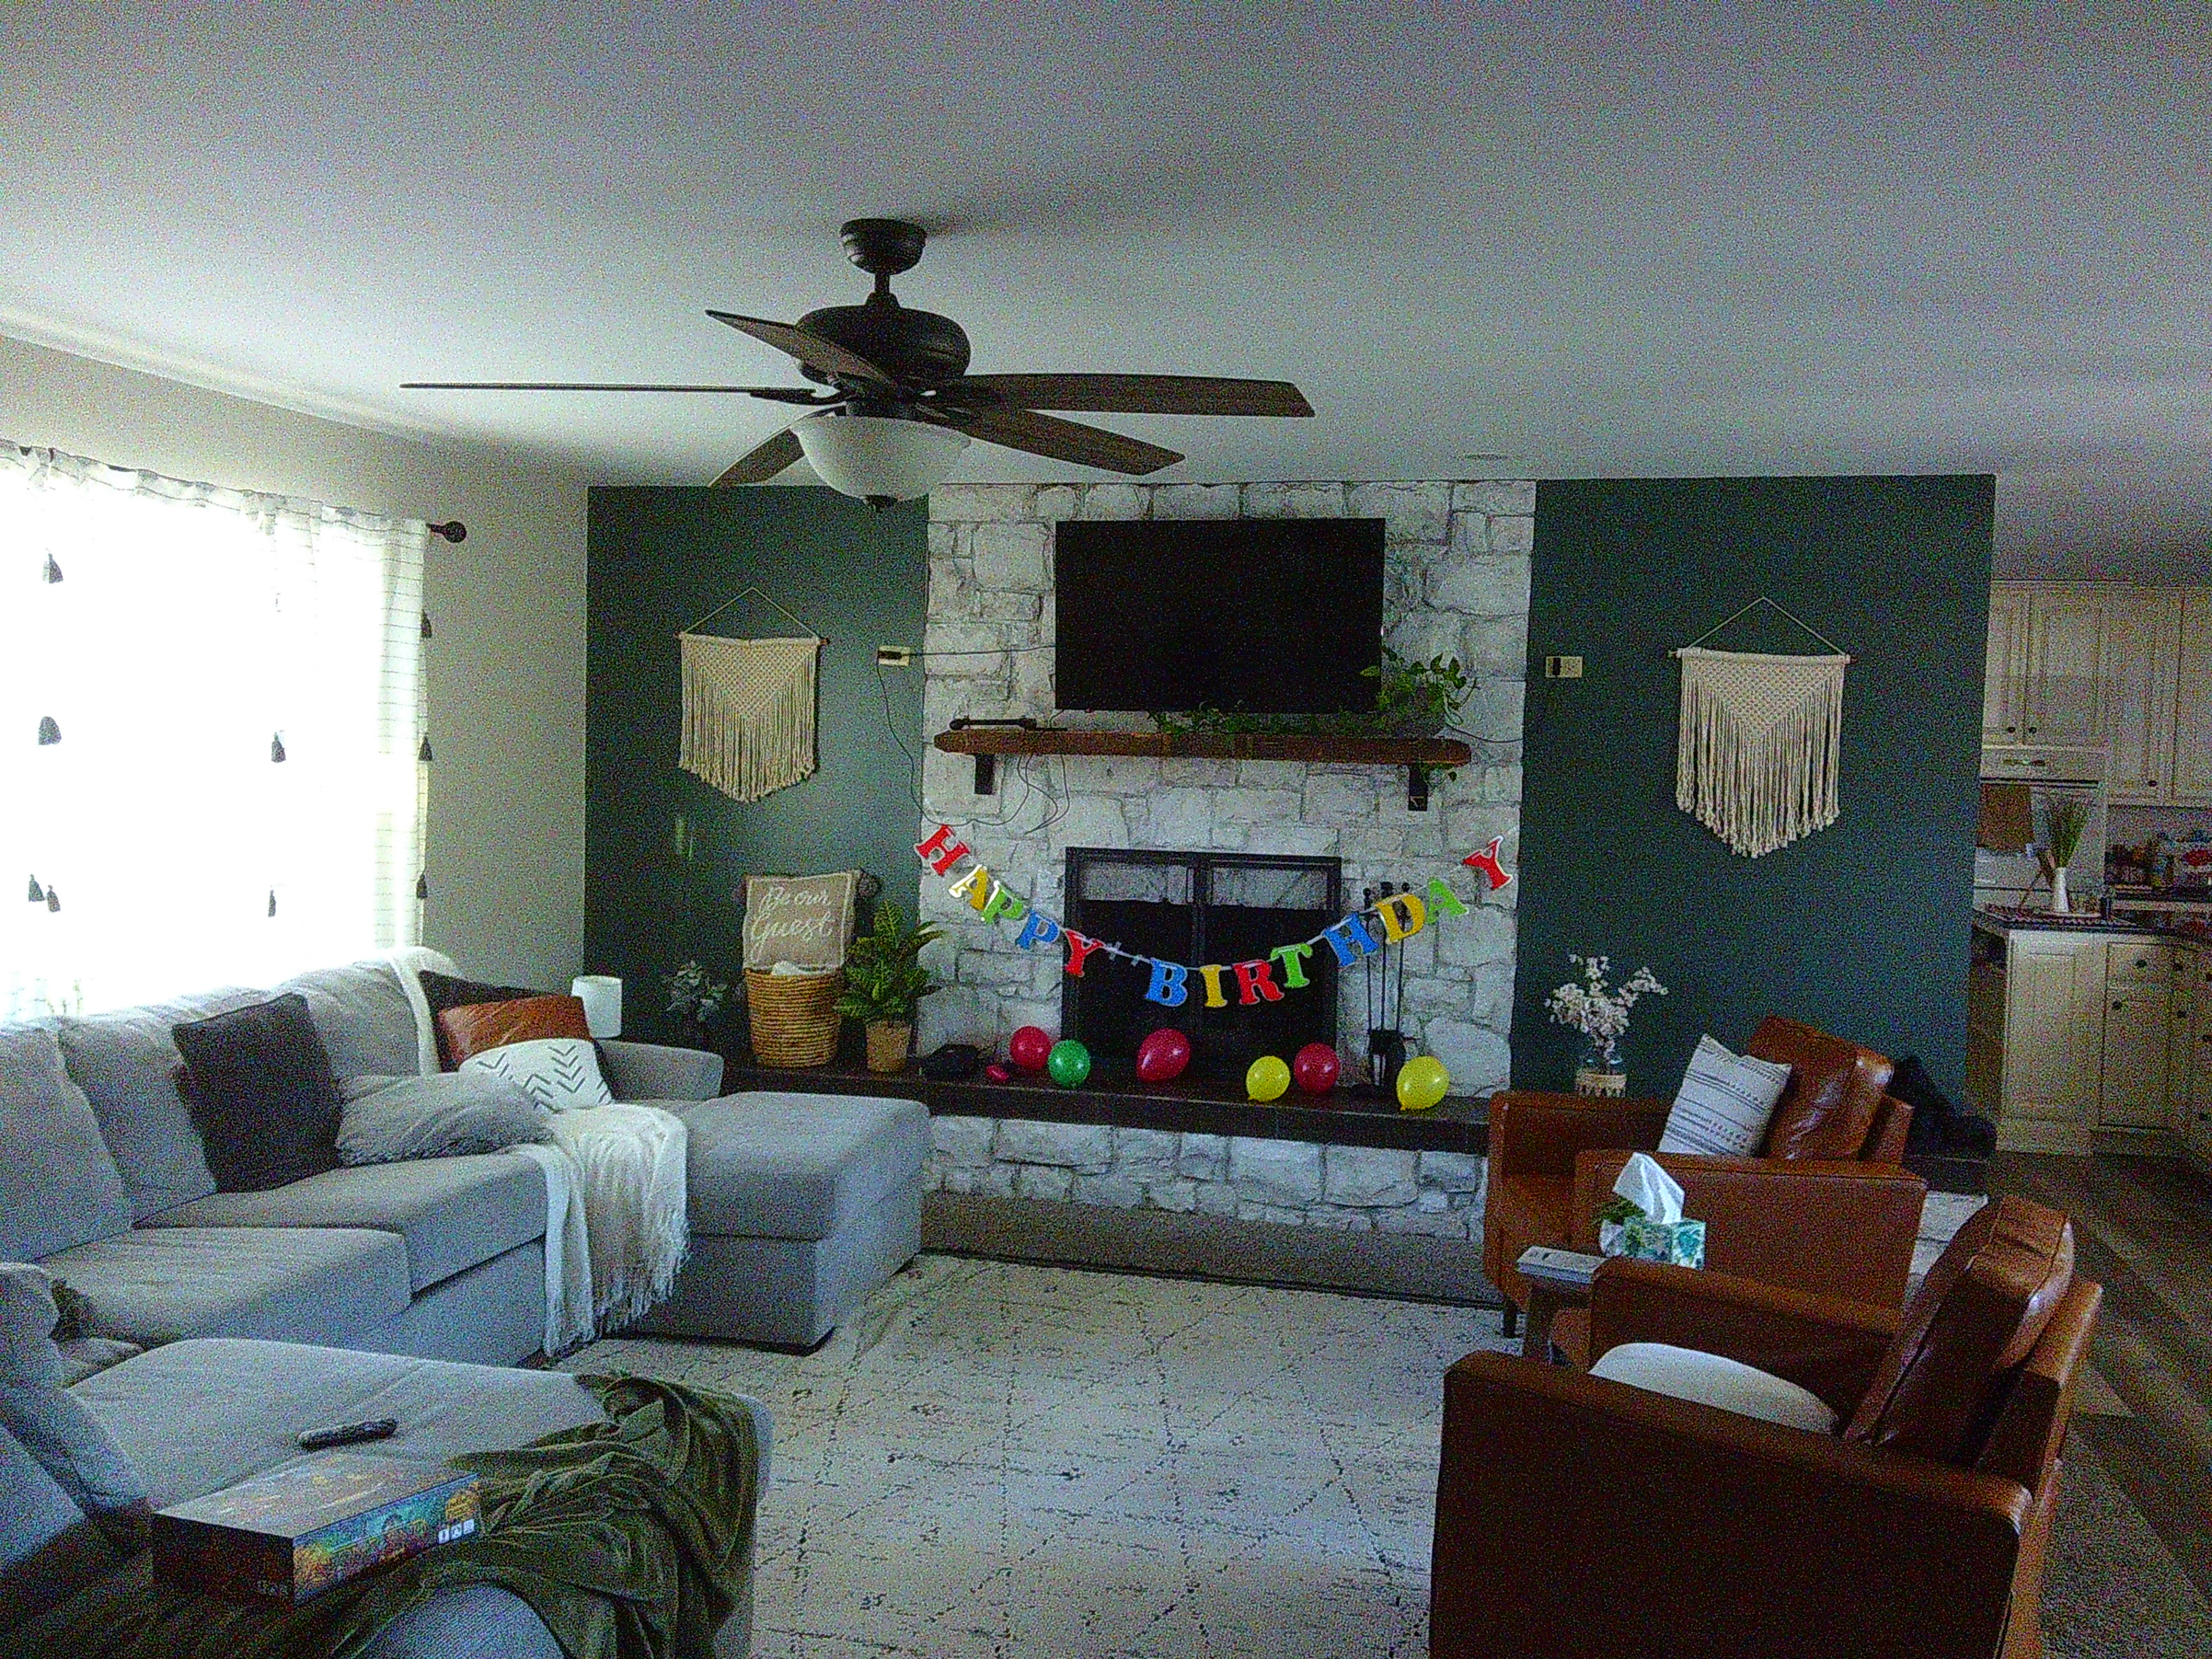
1456 582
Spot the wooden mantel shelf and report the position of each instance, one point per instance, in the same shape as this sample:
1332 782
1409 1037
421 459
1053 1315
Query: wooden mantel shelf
1416 755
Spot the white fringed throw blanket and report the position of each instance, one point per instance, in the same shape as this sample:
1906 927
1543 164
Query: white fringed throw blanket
748 713
1757 759
618 1221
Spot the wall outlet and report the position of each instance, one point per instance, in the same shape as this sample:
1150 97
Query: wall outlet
1563 668
894 656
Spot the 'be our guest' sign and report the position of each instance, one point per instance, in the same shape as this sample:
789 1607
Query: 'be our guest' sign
806 921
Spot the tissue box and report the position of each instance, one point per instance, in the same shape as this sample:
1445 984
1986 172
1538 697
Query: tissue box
1642 1239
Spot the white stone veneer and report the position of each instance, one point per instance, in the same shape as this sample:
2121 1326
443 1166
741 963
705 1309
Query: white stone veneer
1456 582
1384 1189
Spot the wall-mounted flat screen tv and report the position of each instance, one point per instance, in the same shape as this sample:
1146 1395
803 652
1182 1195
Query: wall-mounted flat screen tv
1265 616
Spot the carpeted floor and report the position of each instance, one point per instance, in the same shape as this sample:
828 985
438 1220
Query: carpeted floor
1003 1460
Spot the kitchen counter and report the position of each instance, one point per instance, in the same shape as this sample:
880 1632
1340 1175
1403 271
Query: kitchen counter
2182 928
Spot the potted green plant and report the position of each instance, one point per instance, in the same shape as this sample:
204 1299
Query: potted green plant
884 980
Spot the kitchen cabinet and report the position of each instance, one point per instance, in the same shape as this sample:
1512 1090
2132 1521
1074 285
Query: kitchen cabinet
2038 1076
2072 1034
2102 665
2191 1074
2061 692
2192 721
2004 667
2142 637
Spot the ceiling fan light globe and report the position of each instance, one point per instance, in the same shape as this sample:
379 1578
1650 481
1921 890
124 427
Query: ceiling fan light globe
872 456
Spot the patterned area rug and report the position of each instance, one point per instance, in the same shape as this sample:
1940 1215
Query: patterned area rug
1001 1460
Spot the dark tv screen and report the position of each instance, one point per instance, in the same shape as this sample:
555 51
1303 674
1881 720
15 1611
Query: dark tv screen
1265 616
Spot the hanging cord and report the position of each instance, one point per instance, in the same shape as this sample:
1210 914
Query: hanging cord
1745 610
767 599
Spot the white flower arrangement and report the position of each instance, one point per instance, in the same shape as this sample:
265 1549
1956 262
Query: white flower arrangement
1595 1009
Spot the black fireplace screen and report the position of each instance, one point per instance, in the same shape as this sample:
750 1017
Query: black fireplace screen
1197 908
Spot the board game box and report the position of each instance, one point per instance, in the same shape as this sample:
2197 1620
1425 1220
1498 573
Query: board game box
311 1524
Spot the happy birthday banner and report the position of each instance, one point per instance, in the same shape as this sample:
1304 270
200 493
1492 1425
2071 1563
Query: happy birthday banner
1401 915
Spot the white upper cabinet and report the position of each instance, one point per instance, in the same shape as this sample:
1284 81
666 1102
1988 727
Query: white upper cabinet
2193 720
2065 655
2142 634
2076 665
2004 667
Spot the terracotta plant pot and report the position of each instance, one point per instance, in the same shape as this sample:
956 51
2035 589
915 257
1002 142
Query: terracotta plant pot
888 1043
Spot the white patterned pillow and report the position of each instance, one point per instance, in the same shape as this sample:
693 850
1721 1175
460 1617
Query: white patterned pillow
1723 1104
559 1073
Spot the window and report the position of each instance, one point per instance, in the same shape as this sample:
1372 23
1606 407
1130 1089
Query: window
163 645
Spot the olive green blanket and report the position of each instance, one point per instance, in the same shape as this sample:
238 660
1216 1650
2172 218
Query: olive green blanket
631 1537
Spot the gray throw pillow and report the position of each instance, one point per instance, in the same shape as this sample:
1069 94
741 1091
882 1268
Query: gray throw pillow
59 1183
388 1119
53 1423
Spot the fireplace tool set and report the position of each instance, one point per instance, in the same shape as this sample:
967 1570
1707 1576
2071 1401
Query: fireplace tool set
1386 996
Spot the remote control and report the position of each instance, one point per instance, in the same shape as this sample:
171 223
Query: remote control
347 1434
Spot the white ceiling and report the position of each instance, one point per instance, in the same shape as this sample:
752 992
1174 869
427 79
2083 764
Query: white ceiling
1600 240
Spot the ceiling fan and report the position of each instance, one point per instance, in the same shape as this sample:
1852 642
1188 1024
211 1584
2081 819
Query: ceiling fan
893 404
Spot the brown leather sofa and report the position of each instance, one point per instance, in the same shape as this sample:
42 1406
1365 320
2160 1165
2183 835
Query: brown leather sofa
1579 1518
1826 1208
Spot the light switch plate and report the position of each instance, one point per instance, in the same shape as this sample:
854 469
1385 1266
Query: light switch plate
894 656
1563 668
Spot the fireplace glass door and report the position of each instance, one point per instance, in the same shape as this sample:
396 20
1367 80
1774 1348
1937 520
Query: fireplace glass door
1198 907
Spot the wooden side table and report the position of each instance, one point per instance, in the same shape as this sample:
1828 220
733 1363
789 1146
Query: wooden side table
1550 1289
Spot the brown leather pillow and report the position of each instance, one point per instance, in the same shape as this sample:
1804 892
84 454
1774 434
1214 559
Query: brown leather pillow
475 1026
1835 1088
1982 1309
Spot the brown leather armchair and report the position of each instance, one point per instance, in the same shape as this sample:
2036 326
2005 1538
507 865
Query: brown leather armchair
1578 1518
1828 1208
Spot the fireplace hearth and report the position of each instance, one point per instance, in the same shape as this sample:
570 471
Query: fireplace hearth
1198 907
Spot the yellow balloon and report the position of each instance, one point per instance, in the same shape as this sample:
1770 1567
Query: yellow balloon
1266 1079
1422 1082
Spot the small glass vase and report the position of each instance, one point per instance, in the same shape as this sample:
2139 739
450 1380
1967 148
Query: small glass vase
1598 1067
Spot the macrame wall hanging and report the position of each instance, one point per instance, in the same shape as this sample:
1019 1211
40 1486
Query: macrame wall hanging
748 707
1756 760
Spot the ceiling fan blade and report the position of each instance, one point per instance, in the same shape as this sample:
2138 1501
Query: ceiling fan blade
810 348
1140 394
589 385
763 463
1062 441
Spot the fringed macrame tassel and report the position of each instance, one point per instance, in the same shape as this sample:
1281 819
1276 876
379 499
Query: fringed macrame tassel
50 730
38 894
272 901
53 899
53 569
422 885
748 713
422 755
1759 746
276 749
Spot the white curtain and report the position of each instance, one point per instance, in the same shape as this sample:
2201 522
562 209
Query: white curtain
193 630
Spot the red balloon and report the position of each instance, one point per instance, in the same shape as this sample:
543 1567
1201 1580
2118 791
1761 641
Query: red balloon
1162 1056
1029 1047
1315 1068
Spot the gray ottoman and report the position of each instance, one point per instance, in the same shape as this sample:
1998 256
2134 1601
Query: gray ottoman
801 1206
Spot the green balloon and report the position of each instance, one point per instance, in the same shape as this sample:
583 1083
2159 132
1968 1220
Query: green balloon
1069 1063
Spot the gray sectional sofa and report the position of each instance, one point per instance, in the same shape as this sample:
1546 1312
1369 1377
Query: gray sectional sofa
801 1203
355 1292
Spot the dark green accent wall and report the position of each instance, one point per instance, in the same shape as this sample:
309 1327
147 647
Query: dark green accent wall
661 559
1861 928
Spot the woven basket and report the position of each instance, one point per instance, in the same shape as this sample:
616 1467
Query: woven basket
794 1017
